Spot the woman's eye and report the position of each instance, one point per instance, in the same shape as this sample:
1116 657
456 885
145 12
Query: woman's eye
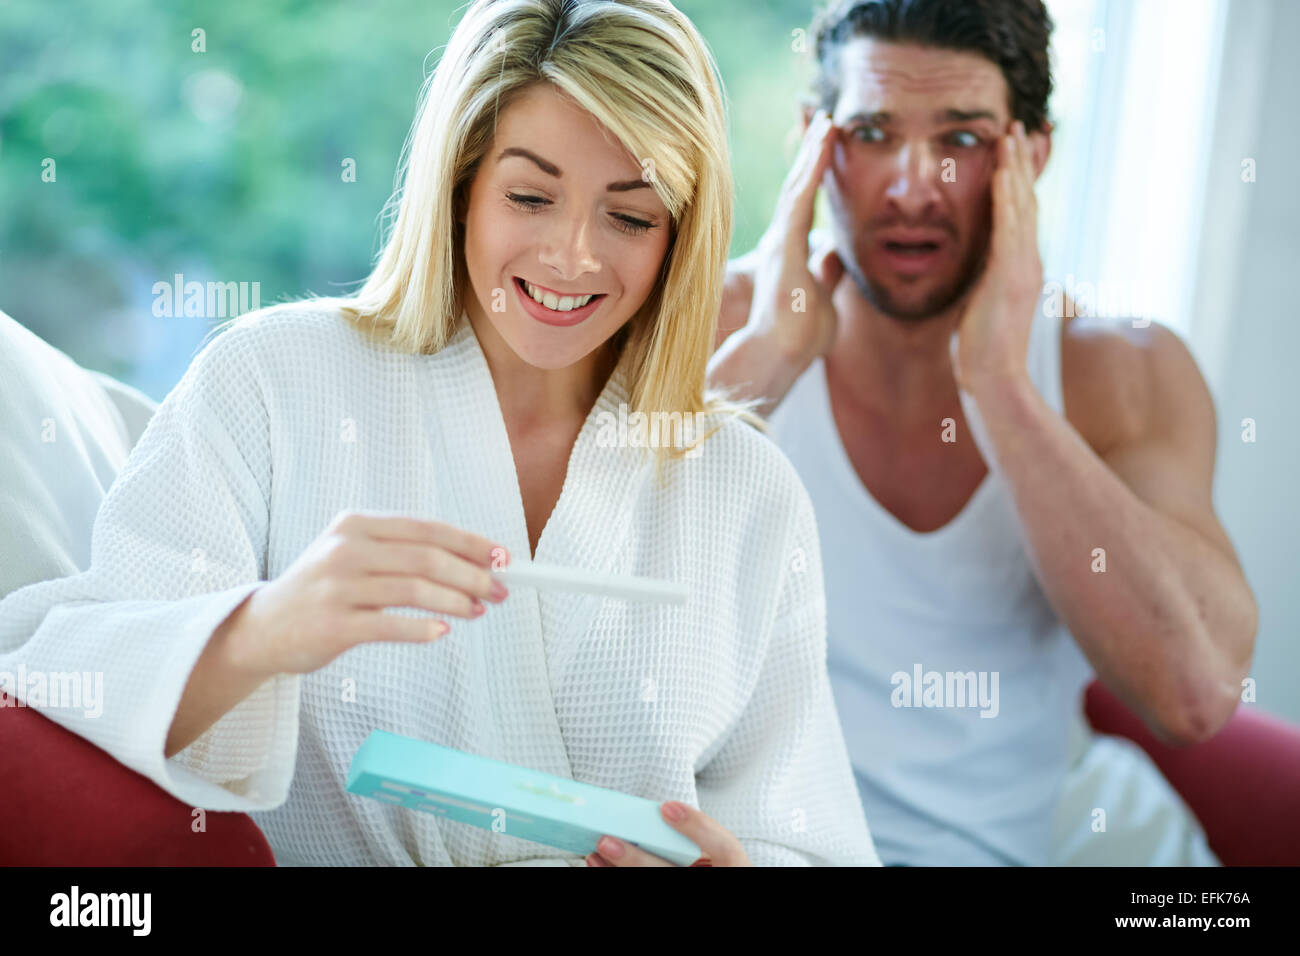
534 204
631 225
528 203
868 134
964 138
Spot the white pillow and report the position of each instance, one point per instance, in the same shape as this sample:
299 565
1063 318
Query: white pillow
65 432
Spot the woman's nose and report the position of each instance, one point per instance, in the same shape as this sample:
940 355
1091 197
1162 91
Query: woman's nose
568 249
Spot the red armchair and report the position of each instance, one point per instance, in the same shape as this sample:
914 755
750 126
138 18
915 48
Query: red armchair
65 802
1243 784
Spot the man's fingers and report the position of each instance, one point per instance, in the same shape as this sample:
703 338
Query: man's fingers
827 267
794 207
800 192
1025 201
1005 211
1031 175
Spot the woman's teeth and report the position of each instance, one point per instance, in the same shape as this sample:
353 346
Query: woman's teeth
556 303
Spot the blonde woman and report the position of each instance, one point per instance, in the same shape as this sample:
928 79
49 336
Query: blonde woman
275 569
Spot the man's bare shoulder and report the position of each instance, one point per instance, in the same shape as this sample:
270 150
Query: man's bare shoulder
1125 382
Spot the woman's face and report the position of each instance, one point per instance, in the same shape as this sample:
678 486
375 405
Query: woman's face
558 208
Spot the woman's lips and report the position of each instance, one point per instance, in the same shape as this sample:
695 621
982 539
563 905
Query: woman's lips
552 316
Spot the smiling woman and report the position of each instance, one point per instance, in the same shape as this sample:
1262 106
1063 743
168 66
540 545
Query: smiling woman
582 226
570 151
273 568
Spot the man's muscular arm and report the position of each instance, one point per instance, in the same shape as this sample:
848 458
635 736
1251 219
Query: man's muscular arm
1170 624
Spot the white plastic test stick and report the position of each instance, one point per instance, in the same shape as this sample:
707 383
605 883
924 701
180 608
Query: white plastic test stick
555 577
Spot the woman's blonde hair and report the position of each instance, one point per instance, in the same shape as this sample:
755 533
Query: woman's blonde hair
643 71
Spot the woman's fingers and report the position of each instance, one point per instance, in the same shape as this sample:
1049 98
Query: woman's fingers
715 841
376 591
470 546
441 567
369 627
613 852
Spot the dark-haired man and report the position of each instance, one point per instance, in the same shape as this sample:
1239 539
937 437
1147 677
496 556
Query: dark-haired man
1007 501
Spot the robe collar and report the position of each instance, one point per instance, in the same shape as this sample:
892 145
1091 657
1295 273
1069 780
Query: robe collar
530 640
592 517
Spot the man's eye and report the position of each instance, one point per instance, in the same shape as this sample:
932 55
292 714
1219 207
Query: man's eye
963 138
868 134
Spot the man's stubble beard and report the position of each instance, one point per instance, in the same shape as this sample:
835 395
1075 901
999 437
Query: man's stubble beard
933 305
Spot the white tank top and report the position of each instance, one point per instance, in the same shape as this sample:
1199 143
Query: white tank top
959 608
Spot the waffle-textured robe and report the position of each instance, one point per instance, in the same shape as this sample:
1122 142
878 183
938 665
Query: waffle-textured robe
290 417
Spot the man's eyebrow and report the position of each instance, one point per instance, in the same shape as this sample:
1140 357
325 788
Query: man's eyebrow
964 116
884 118
552 170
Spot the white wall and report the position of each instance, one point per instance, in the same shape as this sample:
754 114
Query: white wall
1254 356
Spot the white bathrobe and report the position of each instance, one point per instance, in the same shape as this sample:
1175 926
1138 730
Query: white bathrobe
290 417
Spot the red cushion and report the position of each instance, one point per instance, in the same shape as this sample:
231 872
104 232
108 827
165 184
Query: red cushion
65 802
1243 784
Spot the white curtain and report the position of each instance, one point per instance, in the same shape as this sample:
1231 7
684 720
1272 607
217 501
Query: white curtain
1123 199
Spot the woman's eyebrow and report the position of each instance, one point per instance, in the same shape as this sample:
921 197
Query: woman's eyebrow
552 170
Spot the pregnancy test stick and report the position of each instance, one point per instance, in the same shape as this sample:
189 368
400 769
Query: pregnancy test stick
555 577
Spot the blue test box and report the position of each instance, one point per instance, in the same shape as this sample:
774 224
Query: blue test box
503 797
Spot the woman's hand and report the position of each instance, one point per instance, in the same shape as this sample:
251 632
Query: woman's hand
333 596
719 846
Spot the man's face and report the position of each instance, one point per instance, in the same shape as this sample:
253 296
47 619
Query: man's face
909 185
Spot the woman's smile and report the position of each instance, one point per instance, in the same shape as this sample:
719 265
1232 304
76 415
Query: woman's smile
553 307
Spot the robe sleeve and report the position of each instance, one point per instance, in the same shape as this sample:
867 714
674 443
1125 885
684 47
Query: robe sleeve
782 781
178 543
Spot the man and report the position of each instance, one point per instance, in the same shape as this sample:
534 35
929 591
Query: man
1007 500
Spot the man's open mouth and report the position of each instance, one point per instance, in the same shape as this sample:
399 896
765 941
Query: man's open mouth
911 248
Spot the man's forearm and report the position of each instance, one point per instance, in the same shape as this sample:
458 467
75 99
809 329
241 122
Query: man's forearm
1170 622
753 365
